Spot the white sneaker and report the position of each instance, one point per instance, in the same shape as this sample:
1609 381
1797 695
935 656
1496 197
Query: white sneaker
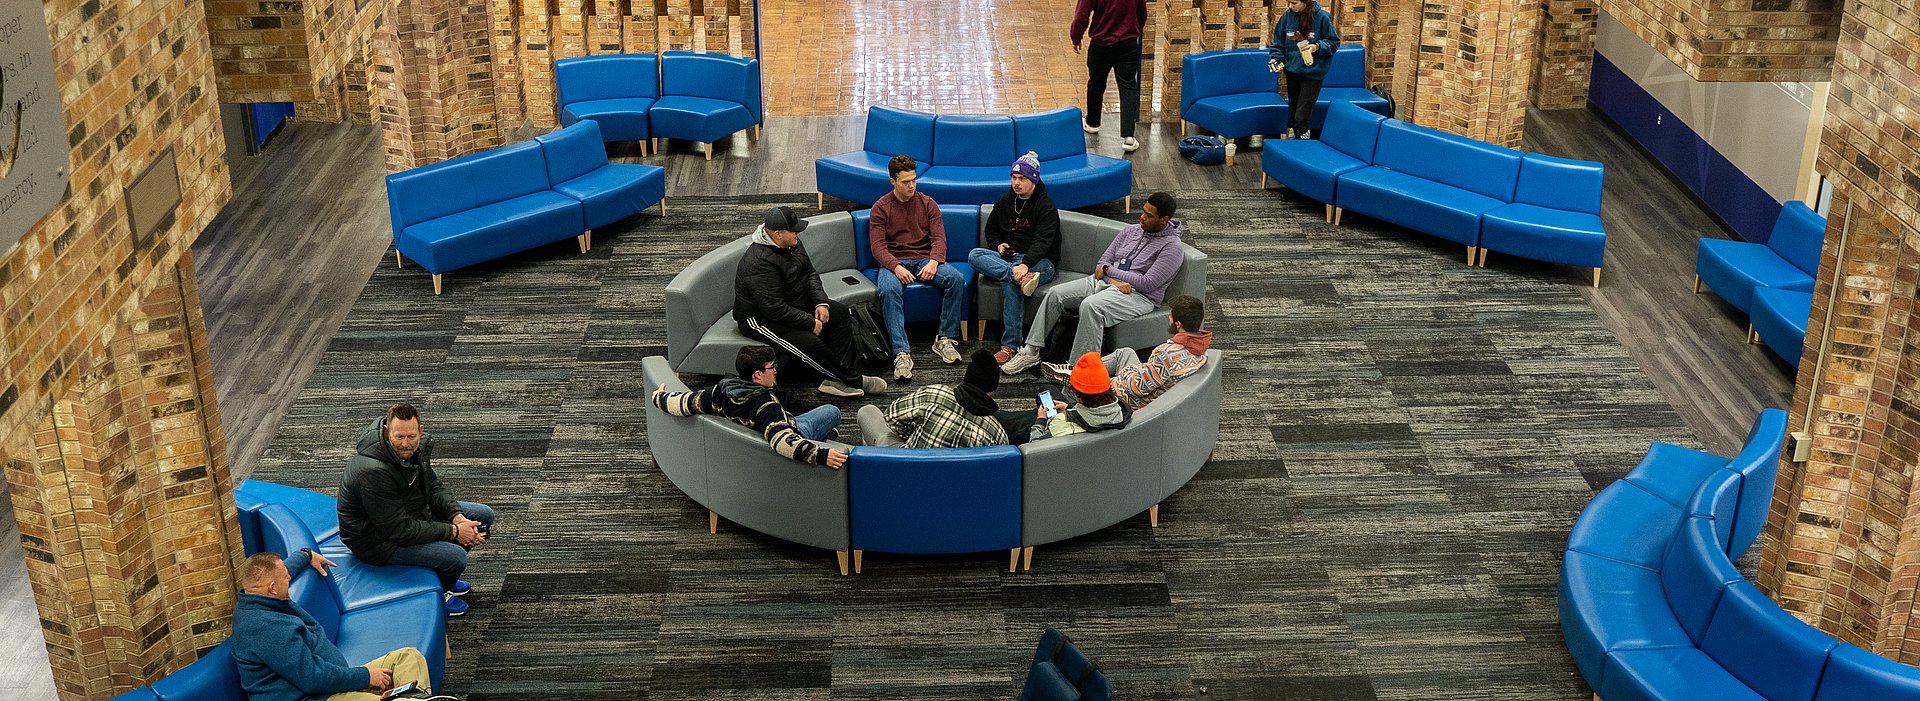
1058 372
873 385
841 389
1030 283
1129 144
1089 128
1022 361
902 366
946 349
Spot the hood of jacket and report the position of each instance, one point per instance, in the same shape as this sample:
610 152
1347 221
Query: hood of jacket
373 444
760 236
1195 343
973 400
1101 418
741 392
1173 228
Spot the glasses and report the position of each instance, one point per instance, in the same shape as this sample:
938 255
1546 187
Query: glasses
770 368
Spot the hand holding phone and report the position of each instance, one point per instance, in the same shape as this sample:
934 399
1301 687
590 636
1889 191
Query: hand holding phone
395 692
1046 404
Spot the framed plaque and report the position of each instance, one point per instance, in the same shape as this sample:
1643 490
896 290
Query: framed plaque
33 134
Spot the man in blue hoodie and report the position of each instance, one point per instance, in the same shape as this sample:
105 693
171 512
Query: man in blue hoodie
282 654
1303 44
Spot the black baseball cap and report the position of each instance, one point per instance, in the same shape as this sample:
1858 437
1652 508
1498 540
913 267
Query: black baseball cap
783 219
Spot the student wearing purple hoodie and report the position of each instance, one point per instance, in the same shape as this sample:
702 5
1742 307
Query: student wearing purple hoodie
1128 281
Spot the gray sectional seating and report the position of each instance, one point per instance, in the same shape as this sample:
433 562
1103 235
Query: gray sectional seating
1083 237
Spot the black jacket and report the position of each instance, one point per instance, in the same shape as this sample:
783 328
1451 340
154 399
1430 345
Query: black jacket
776 285
1031 227
386 503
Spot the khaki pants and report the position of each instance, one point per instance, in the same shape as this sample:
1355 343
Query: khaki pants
407 665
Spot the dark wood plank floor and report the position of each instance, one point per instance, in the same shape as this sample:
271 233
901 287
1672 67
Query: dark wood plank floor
287 258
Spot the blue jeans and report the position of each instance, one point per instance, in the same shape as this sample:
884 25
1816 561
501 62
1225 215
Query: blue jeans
953 290
444 557
1013 305
816 422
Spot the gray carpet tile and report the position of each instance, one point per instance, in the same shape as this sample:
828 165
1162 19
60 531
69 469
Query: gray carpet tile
1405 443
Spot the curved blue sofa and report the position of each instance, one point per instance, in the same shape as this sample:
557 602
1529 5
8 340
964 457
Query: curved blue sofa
967 159
614 90
367 610
706 97
495 203
1653 608
1487 197
1779 319
1231 93
921 301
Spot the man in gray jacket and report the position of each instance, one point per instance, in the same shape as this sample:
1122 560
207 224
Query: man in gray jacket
394 510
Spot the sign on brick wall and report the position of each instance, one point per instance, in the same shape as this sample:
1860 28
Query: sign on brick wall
33 139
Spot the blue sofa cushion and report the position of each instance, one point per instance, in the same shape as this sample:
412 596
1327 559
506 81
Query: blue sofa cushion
1475 166
1674 473
1678 674
702 119
1362 98
1758 463
1240 114
1309 167
1694 575
1086 179
358 585
1349 69
605 77
1627 523
857 176
418 622
615 191
1414 202
1541 233
1609 605
282 532
715 76
942 500
319 512
316 596
1052 134
572 151
1560 183
1853 674
620 119
1780 318
1046 683
961 223
1798 235
1227 72
213 677
465 183
1732 269
1718 499
968 140
1350 130
974 185
491 231
1764 646
892 131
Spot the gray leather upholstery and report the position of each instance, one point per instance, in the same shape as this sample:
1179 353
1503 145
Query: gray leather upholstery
1082 483
677 448
1083 237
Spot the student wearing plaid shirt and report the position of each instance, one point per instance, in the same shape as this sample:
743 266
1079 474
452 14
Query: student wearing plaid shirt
941 416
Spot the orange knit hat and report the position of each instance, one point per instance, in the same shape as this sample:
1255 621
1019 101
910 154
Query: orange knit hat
1090 375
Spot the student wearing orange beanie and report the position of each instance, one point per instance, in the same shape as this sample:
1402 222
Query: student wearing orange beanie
1097 408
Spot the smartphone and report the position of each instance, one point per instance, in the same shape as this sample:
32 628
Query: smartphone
1046 402
395 692
849 280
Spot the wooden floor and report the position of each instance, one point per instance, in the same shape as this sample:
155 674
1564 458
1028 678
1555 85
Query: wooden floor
290 254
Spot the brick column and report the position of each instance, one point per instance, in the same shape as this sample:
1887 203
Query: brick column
1565 54
1475 64
1761 40
432 105
1843 539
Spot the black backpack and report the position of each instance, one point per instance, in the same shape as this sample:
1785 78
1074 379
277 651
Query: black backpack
870 345
1381 90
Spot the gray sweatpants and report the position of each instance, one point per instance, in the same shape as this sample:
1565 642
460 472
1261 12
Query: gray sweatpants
1100 306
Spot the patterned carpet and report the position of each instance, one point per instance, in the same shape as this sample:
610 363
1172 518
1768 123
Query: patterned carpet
1405 444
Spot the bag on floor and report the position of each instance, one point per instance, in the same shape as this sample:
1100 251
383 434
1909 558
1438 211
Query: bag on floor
870 345
1204 150
1381 90
1060 338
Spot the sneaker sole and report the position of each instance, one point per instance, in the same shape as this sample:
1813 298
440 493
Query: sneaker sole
840 393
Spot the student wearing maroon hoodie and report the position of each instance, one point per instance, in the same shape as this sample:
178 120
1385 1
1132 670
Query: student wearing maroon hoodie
1128 281
1115 33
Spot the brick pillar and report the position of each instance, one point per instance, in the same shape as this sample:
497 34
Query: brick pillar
1565 54
125 506
1475 64
1843 539
433 106
1761 40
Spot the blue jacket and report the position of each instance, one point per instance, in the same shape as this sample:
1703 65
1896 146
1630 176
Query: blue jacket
1320 31
284 655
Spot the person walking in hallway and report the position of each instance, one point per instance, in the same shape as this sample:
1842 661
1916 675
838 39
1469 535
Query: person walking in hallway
1115 36
1302 51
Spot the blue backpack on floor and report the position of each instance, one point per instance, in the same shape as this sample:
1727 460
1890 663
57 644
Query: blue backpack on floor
1204 150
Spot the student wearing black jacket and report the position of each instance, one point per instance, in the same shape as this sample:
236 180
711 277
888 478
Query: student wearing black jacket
394 510
777 298
1023 249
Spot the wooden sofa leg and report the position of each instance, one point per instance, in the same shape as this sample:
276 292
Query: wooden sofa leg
819 200
1127 204
1596 277
841 555
585 239
709 150
436 284
756 132
980 329
1337 211
1696 279
1328 213
713 522
1013 559
1026 559
964 324
1263 179
1483 257
1752 335
1471 254
856 560
1153 515
398 263
663 206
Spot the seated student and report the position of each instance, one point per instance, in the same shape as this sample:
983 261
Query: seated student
908 240
1136 382
939 416
1022 250
748 400
1131 277
282 654
1098 409
778 299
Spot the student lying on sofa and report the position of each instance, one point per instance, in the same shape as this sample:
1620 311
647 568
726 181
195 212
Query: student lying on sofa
941 416
1136 382
748 400
1097 408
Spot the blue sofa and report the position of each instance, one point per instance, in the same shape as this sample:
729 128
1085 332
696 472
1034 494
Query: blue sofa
1231 93
1487 197
1779 320
1653 608
367 610
1788 260
495 203
615 90
968 159
705 97
921 301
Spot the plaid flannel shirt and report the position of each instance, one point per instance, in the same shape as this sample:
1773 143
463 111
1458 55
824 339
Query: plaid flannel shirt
931 417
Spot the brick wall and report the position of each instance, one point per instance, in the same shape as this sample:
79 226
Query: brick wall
1843 539
109 437
1565 53
299 51
1737 40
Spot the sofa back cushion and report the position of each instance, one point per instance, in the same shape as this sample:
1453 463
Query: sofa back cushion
1191 278
715 76
605 77
315 595
1559 183
699 295
892 131
468 182
1431 154
1349 68
1352 130
829 243
1798 235
213 677
282 532
934 500
969 140
1718 497
1854 674
1694 575
1228 72
1765 647
963 230
1758 463
1083 237
1052 134
573 151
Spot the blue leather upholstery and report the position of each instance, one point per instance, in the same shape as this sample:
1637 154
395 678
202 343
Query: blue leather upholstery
705 97
1853 674
1788 260
1231 93
861 176
1674 473
1780 318
920 300
608 192
1694 575
1635 530
1764 646
1074 177
1415 203
1313 167
971 140
1449 159
1608 605
213 677
479 207
1346 82
1555 215
1061 672
357 585
1680 674
940 500
1758 463
615 90
951 184
1719 494
318 512
968 159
